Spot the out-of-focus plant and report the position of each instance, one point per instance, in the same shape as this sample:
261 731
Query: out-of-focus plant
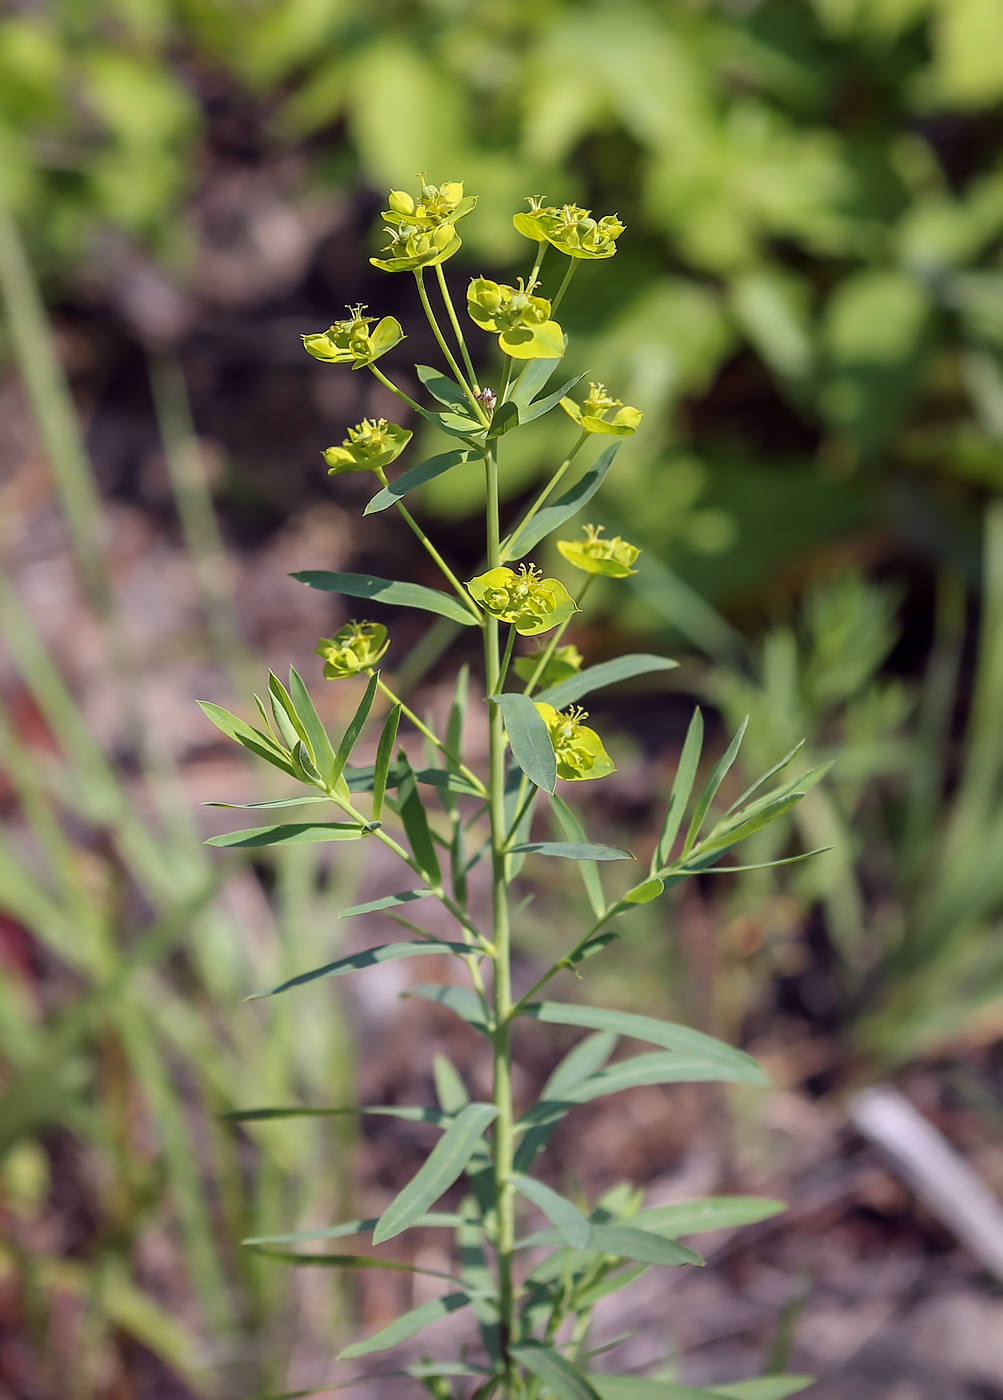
533 1313
912 890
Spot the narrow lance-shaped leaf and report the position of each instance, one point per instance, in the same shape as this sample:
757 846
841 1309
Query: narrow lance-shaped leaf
412 814
441 1168
355 726
441 387
253 739
529 738
711 786
450 1089
292 834
408 1325
532 379
371 957
708 1213
539 407
682 786
607 673
560 1377
462 1000
415 477
787 759
389 901
573 1227
540 525
581 1061
384 756
588 869
623 1242
381 590
443 1219
573 850
323 751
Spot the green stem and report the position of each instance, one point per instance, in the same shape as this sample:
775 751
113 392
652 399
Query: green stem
551 647
419 277
534 276
432 737
457 331
451 578
541 499
564 285
506 658
393 388
504 1123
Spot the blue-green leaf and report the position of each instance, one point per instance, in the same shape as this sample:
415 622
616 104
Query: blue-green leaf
530 739
388 591
450 1089
504 418
323 751
462 1000
625 1243
644 1388
682 786
539 407
711 786
412 814
588 869
547 519
355 727
441 1168
415 477
409 1113
293 834
408 1325
665 1033
261 744
581 1061
573 850
608 673
384 757
532 379
560 1377
371 957
389 901
709 1213
277 802
441 387
447 1220
571 1225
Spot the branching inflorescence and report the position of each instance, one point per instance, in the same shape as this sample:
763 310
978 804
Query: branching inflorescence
531 1294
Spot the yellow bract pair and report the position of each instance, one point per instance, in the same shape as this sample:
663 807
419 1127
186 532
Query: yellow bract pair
353 648
578 749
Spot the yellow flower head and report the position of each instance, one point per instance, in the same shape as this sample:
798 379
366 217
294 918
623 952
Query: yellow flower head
530 603
351 341
570 228
592 417
412 246
435 205
353 648
579 750
370 444
522 322
595 556
565 662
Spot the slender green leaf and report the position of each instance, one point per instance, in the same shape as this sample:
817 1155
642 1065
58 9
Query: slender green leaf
560 1377
384 757
316 733
711 786
708 863
450 1089
787 759
504 418
287 721
709 1213
541 406
393 594
571 1225
573 850
741 830
547 519
389 901
645 892
415 477
682 786
261 744
588 869
530 740
371 957
532 379
410 1113
441 1168
412 814
588 1297
441 387
408 1325
462 1000
278 802
639 663
356 726
342 1261
581 1061
764 1388
292 834
644 1388
623 1242
665 1033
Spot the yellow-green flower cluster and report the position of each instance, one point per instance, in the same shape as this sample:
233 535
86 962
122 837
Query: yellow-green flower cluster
351 341
370 444
565 662
422 231
353 648
591 417
522 322
570 229
578 749
530 603
595 556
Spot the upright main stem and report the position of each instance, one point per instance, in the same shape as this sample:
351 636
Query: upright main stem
504 1123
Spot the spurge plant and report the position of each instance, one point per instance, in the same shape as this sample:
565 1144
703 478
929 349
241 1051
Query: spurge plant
530 1290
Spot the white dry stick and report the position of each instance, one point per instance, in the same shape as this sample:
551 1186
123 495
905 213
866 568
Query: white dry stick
940 1176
